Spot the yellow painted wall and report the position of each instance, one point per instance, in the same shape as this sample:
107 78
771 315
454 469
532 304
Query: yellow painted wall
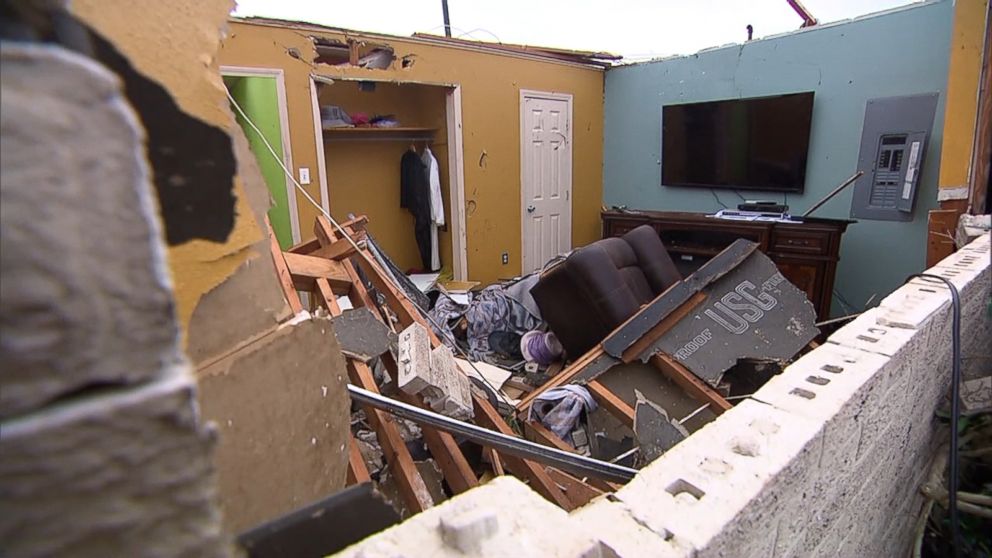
364 176
964 70
175 43
490 85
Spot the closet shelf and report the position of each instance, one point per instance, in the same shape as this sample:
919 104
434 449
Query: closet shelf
378 134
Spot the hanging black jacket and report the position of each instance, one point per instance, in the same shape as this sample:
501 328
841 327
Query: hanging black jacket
415 196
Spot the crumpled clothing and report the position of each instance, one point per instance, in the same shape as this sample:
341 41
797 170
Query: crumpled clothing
569 403
493 310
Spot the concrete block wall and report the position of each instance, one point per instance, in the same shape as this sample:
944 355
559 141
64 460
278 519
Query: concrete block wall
101 449
825 460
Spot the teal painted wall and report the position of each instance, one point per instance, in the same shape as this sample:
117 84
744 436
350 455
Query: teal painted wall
901 52
257 96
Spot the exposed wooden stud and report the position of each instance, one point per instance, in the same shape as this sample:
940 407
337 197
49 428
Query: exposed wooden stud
326 295
486 416
609 400
496 461
540 433
282 271
690 382
304 269
358 472
408 480
577 491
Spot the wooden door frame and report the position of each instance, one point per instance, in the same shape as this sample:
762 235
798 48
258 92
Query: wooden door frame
555 96
456 161
287 148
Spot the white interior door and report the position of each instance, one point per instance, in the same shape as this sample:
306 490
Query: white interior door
546 176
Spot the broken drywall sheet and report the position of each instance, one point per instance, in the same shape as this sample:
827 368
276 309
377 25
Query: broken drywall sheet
656 433
281 405
361 335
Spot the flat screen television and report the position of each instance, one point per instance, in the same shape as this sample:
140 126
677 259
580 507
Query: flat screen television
741 144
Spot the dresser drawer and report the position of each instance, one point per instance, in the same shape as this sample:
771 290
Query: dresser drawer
800 242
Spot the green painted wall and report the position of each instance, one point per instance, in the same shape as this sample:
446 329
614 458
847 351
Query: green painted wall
900 52
257 96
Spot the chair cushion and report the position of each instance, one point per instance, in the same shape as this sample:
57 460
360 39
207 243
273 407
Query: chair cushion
600 285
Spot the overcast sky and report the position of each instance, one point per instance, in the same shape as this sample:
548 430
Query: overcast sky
636 29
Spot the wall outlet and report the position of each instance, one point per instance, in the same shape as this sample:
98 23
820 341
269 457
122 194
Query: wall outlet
304 175
506 258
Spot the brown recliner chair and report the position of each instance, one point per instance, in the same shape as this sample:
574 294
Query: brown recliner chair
599 286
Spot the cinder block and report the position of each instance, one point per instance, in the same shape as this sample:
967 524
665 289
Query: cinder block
414 356
85 291
613 525
455 397
866 333
113 474
704 486
506 518
910 305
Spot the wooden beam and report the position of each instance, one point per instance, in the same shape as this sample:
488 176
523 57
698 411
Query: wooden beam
326 294
282 271
691 383
577 491
357 471
496 461
408 480
534 473
635 351
305 269
609 400
540 433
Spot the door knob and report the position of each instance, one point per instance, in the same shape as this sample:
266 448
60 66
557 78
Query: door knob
530 209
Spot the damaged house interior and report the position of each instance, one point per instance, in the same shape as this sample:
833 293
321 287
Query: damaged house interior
273 287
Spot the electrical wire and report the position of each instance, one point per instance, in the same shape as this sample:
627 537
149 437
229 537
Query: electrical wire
361 253
952 474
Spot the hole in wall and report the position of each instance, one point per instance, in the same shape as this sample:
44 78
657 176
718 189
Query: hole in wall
748 447
682 486
832 368
868 339
805 394
818 380
928 290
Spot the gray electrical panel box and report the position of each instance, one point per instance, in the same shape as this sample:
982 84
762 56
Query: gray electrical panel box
893 143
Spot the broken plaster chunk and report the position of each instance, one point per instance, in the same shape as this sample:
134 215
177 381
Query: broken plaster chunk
414 355
468 531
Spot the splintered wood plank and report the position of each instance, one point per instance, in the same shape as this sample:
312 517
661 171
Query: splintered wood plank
577 491
635 351
534 473
306 269
496 461
408 480
326 295
609 400
540 433
691 383
282 271
357 471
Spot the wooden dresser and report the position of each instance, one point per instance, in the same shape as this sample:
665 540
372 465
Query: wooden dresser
806 252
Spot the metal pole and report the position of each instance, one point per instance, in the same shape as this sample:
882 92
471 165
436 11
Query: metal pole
836 191
518 447
447 19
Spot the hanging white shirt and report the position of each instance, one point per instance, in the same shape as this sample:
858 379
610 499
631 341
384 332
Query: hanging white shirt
437 205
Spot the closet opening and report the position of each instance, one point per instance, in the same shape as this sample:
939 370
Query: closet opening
379 140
